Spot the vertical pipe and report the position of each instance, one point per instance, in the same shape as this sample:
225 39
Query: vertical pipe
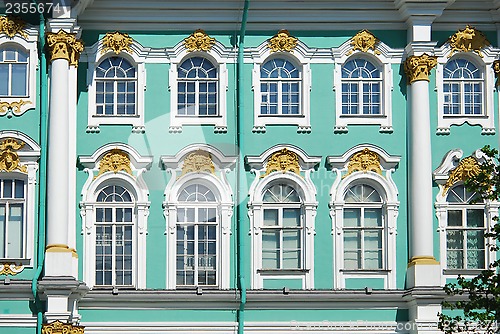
240 238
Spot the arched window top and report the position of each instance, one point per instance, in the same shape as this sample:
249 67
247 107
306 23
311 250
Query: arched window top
115 68
360 68
279 68
460 195
115 194
281 193
461 69
196 193
362 193
197 68
13 53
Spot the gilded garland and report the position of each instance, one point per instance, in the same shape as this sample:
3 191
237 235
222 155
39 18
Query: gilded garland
64 46
117 42
364 161
9 159
12 269
14 107
58 327
197 162
468 40
364 41
11 26
199 41
283 161
467 168
115 161
419 67
282 41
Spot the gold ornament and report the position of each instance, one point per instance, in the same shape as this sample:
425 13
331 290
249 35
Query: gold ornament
9 159
419 67
466 169
15 106
198 162
364 161
363 41
199 41
12 269
64 46
58 327
496 68
282 41
117 42
467 40
11 26
283 161
114 161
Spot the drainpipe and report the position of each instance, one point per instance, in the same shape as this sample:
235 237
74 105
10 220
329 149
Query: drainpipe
240 241
42 173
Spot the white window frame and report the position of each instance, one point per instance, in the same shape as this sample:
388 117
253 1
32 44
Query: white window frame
219 185
383 60
304 186
94 58
138 189
485 65
29 45
388 191
219 58
28 156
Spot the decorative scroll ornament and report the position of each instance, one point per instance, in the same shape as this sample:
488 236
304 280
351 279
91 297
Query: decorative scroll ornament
196 162
199 41
9 159
14 107
117 42
418 67
466 169
496 68
12 269
468 40
114 161
64 46
282 41
364 161
58 327
363 41
11 26
283 161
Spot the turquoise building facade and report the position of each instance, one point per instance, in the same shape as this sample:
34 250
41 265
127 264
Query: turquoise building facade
242 166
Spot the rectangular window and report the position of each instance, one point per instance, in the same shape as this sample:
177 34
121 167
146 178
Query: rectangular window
12 219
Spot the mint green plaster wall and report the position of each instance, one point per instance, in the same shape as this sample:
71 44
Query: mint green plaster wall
149 315
15 306
275 284
321 315
361 283
18 330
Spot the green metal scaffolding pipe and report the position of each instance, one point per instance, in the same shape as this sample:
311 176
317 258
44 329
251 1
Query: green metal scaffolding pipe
241 232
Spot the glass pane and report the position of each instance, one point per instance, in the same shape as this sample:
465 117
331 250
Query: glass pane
270 250
15 228
19 189
19 79
475 218
454 217
352 217
373 217
2 230
4 80
352 250
270 217
291 217
373 249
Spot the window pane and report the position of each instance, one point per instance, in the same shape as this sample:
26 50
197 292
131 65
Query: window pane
270 217
454 217
352 250
19 189
270 250
475 218
352 217
454 245
2 230
4 80
291 217
373 249
7 189
373 217
19 79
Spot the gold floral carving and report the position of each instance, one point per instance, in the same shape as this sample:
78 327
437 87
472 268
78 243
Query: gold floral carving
363 41
467 168
283 161
9 159
11 26
199 41
15 106
12 269
496 68
282 41
418 67
117 42
64 46
364 161
115 161
58 327
468 40
196 162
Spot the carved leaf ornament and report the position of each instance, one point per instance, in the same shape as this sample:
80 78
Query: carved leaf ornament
117 42
282 41
364 161
9 159
11 26
283 161
197 162
466 169
468 39
364 41
115 161
199 41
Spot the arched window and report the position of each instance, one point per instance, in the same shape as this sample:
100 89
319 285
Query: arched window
363 229
282 228
13 72
465 230
12 218
197 237
197 88
361 88
280 88
115 234
462 88
116 87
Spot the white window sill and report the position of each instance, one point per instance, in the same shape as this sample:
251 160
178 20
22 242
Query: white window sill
282 271
463 272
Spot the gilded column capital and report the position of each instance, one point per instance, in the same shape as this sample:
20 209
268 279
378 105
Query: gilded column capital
63 45
418 67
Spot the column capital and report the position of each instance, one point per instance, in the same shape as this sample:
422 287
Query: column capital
418 67
63 45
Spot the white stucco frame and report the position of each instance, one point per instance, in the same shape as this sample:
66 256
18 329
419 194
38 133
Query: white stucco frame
440 176
138 189
304 185
218 183
387 189
28 156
